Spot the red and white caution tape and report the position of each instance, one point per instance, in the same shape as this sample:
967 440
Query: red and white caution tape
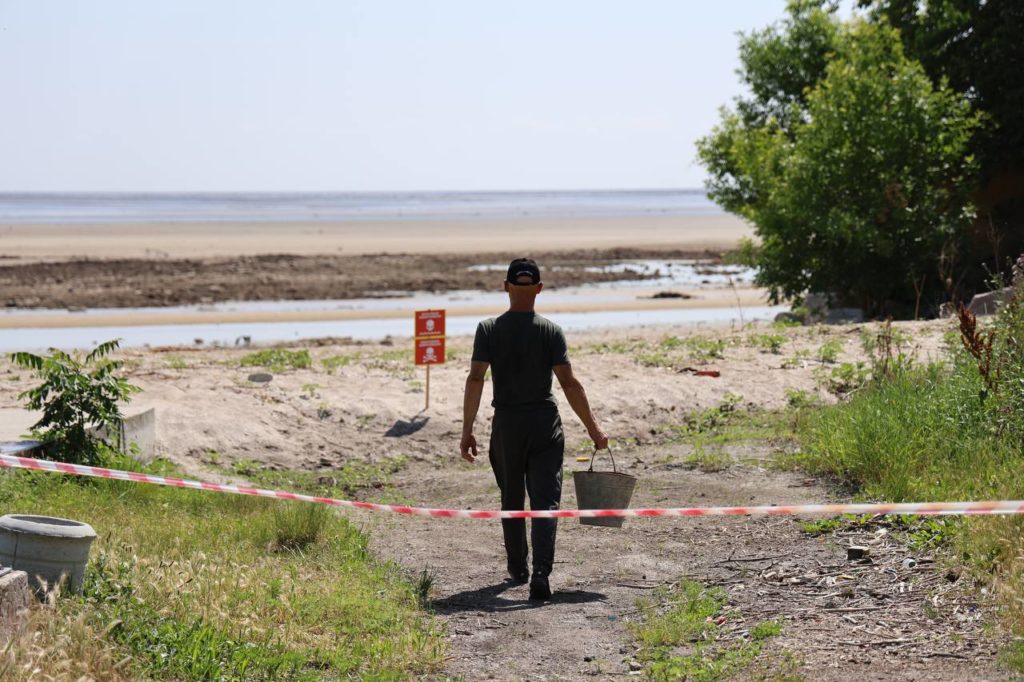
917 508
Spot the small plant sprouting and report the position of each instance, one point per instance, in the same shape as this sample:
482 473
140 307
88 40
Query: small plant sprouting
770 343
799 399
76 397
333 363
424 584
844 379
278 360
830 350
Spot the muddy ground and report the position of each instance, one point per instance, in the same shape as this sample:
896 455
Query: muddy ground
166 282
840 620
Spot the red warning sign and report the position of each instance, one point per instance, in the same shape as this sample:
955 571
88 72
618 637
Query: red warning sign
429 351
429 323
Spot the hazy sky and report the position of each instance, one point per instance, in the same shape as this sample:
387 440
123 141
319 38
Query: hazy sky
363 95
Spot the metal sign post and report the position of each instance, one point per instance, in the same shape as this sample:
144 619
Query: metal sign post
429 343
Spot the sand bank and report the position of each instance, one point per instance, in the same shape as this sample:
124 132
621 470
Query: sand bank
708 299
42 242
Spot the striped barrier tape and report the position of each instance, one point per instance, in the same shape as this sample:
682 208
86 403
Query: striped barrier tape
916 508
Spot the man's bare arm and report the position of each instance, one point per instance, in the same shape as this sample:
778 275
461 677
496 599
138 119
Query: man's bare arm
470 406
577 398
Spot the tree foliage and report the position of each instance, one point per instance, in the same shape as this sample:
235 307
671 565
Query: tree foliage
858 186
977 46
75 395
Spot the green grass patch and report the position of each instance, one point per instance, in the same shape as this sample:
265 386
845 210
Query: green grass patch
192 585
397 362
679 631
917 436
278 359
799 399
768 343
702 348
341 481
728 423
708 460
335 362
829 351
175 362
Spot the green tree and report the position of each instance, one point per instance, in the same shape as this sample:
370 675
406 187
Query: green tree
862 191
977 47
783 62
75 396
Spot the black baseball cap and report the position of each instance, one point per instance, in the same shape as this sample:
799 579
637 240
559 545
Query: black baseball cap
520 267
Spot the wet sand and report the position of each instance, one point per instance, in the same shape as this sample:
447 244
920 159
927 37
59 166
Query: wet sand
635 300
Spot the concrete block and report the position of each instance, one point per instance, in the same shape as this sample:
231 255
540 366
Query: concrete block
15 597
989 302
139 429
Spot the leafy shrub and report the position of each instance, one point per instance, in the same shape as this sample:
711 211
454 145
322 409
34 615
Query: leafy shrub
830 350
76 396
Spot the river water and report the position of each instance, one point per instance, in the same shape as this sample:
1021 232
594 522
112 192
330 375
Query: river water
379 319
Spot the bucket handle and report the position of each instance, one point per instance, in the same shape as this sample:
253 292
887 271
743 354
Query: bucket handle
594 456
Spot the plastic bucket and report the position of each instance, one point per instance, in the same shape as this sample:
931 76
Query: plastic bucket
603 490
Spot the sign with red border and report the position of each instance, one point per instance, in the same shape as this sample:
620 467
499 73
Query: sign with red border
429 323
430 351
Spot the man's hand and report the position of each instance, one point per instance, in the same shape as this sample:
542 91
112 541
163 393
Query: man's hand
468 447
600 439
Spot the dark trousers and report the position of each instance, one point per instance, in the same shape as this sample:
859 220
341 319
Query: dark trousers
526 453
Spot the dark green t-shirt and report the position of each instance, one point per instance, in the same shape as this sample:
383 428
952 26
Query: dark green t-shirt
521 348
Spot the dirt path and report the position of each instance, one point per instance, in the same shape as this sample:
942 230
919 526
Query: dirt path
840 620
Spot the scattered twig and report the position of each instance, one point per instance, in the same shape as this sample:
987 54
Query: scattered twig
749 559
874 642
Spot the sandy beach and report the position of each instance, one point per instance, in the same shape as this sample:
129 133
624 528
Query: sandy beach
40 242
109 265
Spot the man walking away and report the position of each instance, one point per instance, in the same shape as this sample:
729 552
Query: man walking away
523 349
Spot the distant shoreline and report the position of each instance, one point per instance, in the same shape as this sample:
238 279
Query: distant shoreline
324 207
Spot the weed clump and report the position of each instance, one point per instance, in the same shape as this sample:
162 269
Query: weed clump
297 525
278 360
689 616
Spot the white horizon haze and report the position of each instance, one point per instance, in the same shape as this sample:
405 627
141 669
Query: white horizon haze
361 96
